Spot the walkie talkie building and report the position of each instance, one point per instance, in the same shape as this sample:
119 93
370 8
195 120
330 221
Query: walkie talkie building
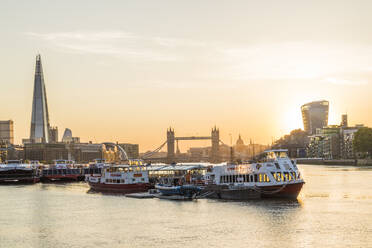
315 115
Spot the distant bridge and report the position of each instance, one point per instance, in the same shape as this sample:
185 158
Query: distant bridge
171 139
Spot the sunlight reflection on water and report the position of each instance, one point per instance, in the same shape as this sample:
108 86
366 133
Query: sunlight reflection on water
333 210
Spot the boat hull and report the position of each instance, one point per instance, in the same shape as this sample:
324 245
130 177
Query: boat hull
120 188
287 191
290 191
20 180
55 178
226 193
18 176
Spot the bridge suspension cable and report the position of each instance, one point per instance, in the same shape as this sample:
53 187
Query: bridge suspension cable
149 154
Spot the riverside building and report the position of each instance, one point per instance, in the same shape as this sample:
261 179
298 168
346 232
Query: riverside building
333 141
7 132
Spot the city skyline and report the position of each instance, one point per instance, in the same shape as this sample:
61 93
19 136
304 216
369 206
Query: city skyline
117 81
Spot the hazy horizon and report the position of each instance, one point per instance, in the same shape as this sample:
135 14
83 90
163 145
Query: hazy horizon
128 70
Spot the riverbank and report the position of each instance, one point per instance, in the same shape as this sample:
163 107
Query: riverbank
320 161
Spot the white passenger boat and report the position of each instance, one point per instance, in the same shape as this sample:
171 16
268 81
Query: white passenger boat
123 179
273 176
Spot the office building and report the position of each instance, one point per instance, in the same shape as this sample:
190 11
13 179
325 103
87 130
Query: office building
315 116
7 132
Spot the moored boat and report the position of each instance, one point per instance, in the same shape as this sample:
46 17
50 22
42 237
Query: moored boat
178 192
273 176
15 171
122 179
62 170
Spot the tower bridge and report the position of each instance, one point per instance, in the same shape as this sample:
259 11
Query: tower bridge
171 139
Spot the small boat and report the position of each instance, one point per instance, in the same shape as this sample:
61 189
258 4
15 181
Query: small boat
180 192
15 171
274 175
122 179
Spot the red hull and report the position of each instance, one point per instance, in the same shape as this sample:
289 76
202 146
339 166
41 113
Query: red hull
290 191
120 188
61 177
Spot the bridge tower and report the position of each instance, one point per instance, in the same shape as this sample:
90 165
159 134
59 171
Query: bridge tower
215 138
170 145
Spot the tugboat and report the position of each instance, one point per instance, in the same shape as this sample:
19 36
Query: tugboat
273 176
15 171
122 179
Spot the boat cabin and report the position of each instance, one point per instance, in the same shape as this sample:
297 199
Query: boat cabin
273 167
123 174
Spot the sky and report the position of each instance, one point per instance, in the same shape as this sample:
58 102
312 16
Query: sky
127 70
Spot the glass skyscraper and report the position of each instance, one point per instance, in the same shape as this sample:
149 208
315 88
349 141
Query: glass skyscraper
40 126
315 115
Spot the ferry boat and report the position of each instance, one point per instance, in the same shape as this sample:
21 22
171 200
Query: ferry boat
122 179
15 171
62 170
273 176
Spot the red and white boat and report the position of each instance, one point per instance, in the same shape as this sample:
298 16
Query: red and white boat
274 175
122 179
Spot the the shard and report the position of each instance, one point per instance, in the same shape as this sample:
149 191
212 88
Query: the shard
40 117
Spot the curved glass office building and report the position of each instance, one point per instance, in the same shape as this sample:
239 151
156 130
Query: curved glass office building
315 115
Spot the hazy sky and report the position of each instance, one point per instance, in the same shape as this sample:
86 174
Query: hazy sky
126 70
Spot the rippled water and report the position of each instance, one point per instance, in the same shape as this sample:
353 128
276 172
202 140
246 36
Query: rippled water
334 209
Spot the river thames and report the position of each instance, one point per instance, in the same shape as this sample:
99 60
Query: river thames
334 209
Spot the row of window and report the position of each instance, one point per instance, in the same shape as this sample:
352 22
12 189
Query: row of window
246 178
121 180
115 180
284 177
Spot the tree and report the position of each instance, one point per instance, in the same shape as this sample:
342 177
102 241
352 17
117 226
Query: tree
363 140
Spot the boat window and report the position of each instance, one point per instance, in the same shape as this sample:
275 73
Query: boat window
133 179
276 176
266 178
255 178
142 179
270 156
282 154
282 177
277 166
